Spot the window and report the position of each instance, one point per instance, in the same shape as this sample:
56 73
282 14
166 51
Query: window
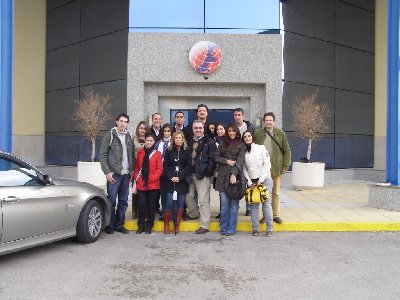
222 16
13 174
170 14
258 15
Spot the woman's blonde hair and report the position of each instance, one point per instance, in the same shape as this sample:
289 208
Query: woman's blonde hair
184 144
137 129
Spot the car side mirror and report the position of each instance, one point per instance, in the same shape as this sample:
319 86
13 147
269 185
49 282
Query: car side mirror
47 179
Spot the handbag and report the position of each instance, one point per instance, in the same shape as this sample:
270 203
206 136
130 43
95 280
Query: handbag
188 179
235 191
256 194
134 189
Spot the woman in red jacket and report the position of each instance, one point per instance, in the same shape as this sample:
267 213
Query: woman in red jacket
147 175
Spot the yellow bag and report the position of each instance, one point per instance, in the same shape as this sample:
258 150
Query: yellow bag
256 194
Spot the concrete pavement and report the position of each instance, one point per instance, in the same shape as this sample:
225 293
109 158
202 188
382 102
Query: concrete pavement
341 206
289 265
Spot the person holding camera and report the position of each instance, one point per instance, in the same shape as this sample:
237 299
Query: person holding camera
257 170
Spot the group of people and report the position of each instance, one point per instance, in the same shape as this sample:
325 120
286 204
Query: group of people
177 165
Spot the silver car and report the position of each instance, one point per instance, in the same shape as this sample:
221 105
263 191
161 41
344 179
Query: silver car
34 209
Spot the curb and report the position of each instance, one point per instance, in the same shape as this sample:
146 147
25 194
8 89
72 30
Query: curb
191 226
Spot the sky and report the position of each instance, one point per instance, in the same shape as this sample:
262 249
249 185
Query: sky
229 16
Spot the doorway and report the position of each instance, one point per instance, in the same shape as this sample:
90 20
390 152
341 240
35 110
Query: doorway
224 116
220 109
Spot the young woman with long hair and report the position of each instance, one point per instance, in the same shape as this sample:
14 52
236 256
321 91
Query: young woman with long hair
161 145
219 136
147 175
177 167
257 170
230 157
138 140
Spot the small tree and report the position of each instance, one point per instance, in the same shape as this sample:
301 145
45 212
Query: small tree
91 115
310 118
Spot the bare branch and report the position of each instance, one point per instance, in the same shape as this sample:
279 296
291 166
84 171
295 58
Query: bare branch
92 113
310 118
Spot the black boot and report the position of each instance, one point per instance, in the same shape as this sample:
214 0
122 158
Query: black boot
140 227
149 227
134 206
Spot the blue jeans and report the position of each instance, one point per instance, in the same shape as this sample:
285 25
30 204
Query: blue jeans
229 213
169 205
266 208
121 189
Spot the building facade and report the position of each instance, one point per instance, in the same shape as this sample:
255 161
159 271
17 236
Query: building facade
131 51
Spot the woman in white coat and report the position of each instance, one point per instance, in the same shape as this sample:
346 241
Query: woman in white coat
257 170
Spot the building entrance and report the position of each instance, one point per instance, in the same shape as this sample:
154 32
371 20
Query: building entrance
220 109
224 116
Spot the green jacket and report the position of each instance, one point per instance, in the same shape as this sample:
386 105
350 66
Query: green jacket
279 161
111 153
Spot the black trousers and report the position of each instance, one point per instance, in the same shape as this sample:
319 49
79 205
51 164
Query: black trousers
147 205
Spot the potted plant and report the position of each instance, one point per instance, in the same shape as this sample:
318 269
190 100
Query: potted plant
91 115
310 119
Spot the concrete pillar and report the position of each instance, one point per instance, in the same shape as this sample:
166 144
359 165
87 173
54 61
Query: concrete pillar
393 94
6 73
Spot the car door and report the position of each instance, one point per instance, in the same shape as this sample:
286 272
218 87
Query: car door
29 207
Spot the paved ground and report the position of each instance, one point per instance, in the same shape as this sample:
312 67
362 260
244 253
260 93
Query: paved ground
290 265
342 206
344 201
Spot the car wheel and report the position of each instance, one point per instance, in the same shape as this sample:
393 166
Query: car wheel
90 223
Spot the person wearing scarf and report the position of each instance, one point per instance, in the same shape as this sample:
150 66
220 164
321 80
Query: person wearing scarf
177 167
230 159
257 170
219 137
147 174
162 145
220 133
138 141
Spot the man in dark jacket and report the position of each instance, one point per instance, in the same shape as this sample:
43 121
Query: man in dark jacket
155 128
179 121
202 115
238 116
202 149
117 162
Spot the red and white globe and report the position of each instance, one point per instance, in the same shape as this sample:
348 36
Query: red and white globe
205 57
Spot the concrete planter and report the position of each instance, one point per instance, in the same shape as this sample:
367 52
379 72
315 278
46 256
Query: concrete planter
308 175
91 172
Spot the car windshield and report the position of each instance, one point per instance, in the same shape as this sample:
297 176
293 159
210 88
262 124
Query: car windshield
14 174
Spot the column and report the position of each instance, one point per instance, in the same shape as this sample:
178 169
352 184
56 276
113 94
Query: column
393 95
6 73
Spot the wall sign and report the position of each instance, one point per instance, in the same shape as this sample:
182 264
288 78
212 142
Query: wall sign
205 57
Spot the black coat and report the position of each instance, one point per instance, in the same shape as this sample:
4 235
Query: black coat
234 152
156 137
188 130
183 160
204 159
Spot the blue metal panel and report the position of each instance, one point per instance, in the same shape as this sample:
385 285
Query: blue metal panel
6 73
393 95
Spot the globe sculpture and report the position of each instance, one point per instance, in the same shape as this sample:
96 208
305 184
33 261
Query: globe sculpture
205 57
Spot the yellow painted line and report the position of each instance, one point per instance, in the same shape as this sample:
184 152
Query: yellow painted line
191 226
